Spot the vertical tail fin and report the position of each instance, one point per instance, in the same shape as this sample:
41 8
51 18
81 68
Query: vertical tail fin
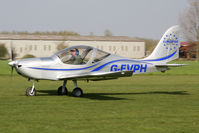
167 48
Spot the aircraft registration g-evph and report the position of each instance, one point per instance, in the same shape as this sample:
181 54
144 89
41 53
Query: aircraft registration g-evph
89 63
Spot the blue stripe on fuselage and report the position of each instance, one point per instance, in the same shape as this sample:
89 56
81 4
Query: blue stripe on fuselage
141 61
102 66
58 69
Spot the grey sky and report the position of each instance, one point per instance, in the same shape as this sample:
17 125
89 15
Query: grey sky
135 18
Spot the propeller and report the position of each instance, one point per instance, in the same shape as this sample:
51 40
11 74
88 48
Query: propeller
12 63
12 54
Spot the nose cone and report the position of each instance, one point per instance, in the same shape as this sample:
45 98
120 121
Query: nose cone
12 63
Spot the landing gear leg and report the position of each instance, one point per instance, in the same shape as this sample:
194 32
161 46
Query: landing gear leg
77 92
31 91
62 90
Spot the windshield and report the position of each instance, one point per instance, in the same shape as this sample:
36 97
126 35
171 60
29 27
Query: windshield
100 55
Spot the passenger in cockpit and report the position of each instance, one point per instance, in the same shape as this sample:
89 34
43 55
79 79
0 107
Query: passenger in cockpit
76 58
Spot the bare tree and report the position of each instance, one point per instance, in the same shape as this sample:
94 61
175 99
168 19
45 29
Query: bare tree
107 33
61 46
91 33
189 22
61 33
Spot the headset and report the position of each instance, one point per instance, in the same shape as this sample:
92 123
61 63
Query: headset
77 52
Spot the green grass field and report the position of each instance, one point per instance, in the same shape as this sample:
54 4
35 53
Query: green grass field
150 103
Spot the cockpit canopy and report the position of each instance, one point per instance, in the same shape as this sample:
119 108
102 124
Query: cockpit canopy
80 55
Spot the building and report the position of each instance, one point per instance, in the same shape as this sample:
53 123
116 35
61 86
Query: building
46 45
188 50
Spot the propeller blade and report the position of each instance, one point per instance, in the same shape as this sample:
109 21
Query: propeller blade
12 70
12 52
12 63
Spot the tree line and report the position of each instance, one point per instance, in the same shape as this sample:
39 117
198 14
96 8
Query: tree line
61 33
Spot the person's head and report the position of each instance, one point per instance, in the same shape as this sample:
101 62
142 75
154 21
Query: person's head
74 52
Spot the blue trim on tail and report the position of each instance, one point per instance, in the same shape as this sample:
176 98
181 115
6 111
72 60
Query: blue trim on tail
163 58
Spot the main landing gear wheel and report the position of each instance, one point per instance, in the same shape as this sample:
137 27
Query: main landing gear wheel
30 92
77 92
62 91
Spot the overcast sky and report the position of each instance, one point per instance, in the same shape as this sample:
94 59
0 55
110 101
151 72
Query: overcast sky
135 18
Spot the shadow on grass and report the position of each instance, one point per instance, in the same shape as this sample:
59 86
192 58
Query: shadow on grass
96 96
107 96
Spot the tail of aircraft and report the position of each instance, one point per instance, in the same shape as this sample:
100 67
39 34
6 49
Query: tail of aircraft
167 48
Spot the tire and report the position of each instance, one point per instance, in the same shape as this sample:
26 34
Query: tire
28 92
77 92
59 91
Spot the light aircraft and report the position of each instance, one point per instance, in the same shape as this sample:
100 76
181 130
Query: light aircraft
89 63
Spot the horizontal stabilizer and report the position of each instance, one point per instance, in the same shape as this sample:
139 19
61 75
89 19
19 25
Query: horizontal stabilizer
170 65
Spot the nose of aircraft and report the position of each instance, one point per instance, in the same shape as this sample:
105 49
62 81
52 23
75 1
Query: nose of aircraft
12 63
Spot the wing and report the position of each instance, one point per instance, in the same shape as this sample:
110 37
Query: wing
96 76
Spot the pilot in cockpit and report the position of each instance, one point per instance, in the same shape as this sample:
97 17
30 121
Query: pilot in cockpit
76 58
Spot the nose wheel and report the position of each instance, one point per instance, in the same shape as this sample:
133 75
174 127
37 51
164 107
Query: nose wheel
31 91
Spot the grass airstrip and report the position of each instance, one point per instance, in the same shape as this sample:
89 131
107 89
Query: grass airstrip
150 103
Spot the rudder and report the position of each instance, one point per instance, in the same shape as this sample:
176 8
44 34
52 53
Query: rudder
167 48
